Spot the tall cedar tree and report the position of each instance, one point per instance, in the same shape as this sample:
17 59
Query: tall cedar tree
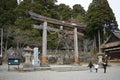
78 13
98 14
7 19
6 12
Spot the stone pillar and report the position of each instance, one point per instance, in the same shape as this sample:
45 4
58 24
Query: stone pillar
100 59
75 45
44 45
36 61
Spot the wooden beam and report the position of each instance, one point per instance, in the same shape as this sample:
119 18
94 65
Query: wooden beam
57 22
57 30
116 51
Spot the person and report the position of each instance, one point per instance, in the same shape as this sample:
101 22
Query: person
96 67
104 67
90 66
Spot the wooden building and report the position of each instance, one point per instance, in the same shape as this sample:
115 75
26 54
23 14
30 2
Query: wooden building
111 47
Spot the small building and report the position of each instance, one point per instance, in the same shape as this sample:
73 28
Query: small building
111 47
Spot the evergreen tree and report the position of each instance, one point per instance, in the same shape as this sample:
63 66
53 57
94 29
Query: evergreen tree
64 12
7 19
17 24
6 12
78 13
24 23
98 14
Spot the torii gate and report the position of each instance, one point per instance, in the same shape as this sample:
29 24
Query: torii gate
57 22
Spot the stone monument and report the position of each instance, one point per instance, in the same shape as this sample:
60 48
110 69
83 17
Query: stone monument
36 61
60 60
100 59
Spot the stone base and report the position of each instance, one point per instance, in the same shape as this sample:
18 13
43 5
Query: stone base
27 69
27 66
36 64
100 65
45 64
60 60
76 64
100 56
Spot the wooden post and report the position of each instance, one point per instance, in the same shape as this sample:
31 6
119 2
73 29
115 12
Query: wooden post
99 53
44 42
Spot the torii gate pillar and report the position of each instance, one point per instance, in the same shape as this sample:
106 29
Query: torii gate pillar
75 46
44 45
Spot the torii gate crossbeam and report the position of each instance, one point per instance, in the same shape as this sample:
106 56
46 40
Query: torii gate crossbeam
57 22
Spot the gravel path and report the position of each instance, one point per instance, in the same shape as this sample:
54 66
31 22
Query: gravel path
113 73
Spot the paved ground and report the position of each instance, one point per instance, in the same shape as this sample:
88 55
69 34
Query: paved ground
113 73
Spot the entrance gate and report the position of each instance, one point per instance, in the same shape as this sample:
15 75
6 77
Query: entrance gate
61 23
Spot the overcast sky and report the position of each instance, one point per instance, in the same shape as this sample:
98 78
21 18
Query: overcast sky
85 3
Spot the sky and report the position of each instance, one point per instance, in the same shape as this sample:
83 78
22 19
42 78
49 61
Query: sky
85 3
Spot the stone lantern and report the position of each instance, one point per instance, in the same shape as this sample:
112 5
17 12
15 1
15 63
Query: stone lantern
28 64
